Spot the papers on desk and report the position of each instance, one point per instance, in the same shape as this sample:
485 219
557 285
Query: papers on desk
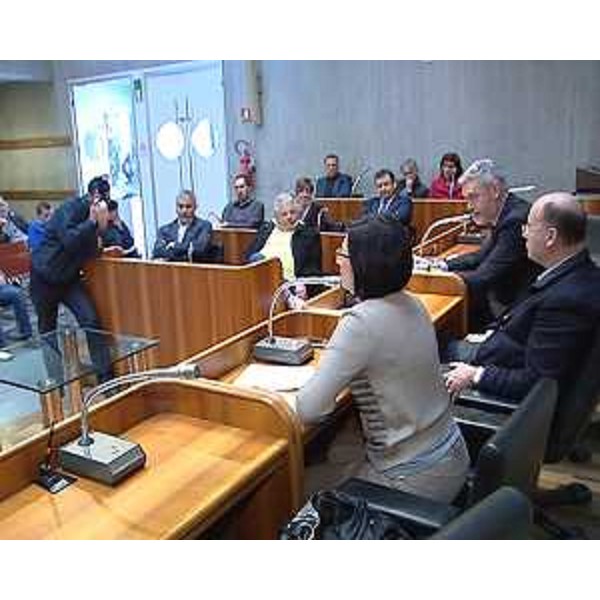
276 378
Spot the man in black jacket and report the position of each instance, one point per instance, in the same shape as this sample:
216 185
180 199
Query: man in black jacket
71 239
187 238
498 273
550 331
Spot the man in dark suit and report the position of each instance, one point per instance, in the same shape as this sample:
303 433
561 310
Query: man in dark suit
548 333
334 184
498 273
187 238
389 201
71 240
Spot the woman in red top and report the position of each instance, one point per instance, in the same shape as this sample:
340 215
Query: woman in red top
445 185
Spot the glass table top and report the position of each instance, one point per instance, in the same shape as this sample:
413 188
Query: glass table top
47 362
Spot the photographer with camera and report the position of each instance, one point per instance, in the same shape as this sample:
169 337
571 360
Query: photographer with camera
70 241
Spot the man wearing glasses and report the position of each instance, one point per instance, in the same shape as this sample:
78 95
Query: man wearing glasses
499 272
550 331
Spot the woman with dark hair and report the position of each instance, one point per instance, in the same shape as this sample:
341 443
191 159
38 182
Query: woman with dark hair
313 214
446 185
385 349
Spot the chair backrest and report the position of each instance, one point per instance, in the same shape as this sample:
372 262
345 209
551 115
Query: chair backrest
593 237
504 515
575 407
514 454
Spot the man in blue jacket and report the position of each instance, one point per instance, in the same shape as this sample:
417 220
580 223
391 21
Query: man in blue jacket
550 331
334 184
389 200
70 240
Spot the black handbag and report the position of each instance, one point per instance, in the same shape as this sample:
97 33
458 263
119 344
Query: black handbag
333 515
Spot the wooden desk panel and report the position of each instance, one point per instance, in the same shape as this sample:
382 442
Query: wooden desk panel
443 295
15 259
187 307
236 242
210 449
425 210
344 210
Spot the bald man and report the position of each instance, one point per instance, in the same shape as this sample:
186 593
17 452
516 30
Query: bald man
549 332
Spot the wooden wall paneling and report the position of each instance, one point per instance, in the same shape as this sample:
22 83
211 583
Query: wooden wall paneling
36 143
38 195
187 307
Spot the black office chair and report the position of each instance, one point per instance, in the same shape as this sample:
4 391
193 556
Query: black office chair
504 515
573 414
511 457
480 416
592 238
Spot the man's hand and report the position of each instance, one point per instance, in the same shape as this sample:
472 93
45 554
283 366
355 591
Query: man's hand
99 214
460 377
113 252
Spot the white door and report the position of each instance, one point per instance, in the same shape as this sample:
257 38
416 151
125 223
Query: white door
186 133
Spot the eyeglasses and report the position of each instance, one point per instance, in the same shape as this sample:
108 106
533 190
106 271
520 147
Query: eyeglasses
527 227
341 253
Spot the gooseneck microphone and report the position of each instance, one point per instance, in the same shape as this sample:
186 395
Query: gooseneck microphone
289 351
451 188
107 458
465 218
358 180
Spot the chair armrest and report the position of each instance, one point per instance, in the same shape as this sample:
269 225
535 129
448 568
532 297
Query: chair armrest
419 515
483 400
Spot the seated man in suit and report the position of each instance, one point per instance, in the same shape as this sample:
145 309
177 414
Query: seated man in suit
500 270
548 333
187 238
389 201
334 184
243 211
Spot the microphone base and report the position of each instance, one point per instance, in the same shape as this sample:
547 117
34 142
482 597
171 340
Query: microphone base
284 351
53 481
109 459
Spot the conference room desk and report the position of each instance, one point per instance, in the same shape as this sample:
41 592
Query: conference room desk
221 462
443 296
425 210
459 249
188 307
